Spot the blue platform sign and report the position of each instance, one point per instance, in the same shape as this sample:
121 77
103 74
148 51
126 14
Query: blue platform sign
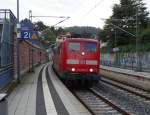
26 34
26 29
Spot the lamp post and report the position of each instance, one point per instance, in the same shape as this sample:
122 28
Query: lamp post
115 49
137 42
30 15
115 41
17 10
17 44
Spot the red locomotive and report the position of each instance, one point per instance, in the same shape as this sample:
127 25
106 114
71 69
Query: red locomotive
77 59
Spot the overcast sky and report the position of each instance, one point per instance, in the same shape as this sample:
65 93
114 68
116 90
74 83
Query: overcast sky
82 12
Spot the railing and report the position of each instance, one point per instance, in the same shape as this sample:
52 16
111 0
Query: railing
6 55
7 14
7 25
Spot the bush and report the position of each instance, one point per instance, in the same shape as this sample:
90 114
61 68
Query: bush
145 36
143 47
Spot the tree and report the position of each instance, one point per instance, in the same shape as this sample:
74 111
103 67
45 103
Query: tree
148 23
124 16
84 31
102 35
39 26
48 35
145 36
60 30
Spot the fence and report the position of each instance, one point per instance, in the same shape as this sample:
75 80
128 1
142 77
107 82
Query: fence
7 24
30 56
127 60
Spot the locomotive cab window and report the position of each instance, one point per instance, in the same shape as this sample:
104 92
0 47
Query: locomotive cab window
74 46
90 47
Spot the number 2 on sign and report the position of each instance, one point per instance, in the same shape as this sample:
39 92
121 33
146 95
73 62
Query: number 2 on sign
27 35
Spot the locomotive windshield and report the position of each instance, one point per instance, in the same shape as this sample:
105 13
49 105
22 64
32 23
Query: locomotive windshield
74 46
90 47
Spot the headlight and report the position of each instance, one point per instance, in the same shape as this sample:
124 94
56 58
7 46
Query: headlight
73 69
91 70
83 53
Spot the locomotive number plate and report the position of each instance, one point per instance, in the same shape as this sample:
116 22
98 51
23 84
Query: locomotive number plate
82 62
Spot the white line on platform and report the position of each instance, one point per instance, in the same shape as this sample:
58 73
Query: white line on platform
49 104
73 106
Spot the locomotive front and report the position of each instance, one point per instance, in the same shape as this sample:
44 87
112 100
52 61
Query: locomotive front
82 57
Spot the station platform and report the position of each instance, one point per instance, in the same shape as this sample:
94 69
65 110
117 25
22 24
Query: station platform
42 93
145 75
131 77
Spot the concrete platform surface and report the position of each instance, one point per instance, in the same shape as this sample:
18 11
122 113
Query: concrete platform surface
26 98
130 77
73 106
146 75
22 100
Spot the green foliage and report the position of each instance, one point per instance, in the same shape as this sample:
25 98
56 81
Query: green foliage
148 25
48 35
57 31
124 17
146 47
142 47
127 48
106 49
102 35
39 26
145 36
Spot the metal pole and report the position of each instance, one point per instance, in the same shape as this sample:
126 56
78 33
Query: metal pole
30 15
137 42
137 37
18 59
115 39
32 58
115 48
17 10
30 52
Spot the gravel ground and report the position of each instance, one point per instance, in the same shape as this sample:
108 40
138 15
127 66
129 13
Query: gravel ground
134 104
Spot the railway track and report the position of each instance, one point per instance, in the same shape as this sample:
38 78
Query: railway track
113 98
134 100
98 104
145 95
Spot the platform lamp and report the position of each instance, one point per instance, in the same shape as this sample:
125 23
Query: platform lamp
139 67
17 45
